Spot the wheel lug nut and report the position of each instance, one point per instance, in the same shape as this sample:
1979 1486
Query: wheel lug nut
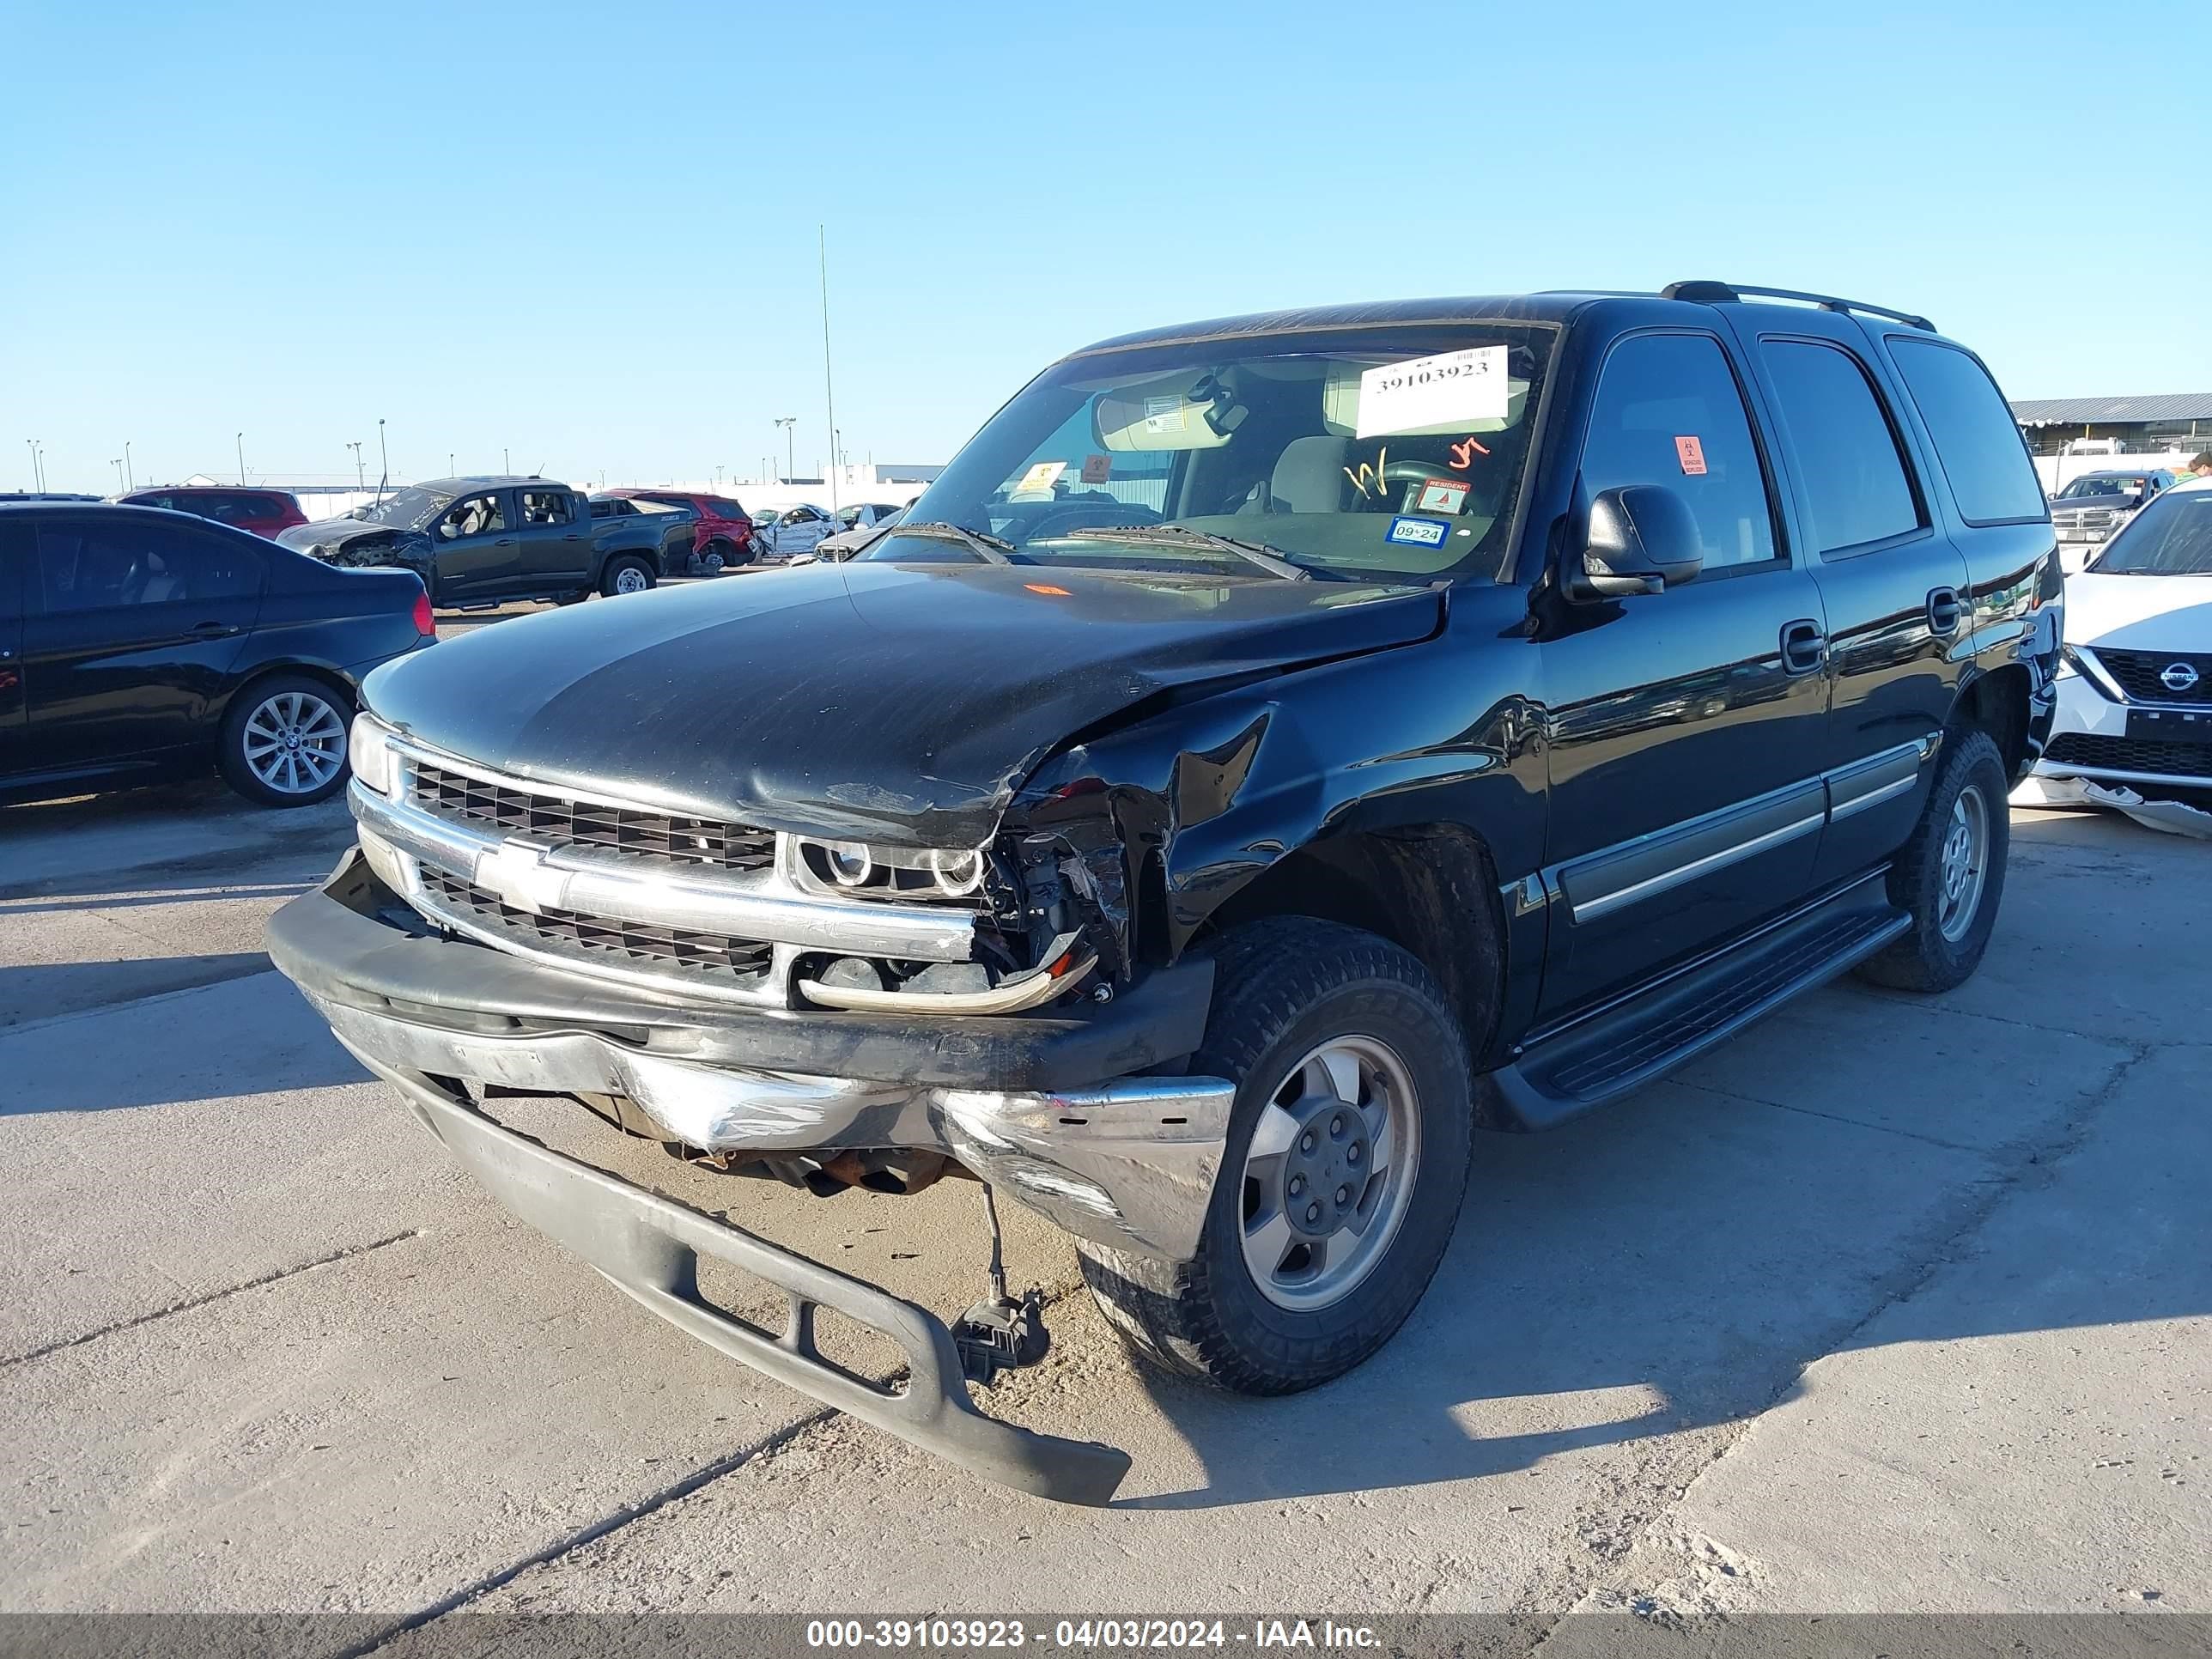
1306 1141
1343 1196
1352 1153
1297 1185
1313 1211
1336 1124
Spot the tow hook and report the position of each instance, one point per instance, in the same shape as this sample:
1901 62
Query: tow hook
999 1333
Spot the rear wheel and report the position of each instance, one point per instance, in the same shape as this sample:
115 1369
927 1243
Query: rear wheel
284 742
716 557
1951 874
627 575
1348 1152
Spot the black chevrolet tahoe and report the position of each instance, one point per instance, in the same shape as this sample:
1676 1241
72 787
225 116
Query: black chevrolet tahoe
1274 750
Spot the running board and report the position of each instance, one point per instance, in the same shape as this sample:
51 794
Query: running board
1603 1055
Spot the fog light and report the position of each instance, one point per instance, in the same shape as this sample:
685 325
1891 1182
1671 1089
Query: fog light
850 863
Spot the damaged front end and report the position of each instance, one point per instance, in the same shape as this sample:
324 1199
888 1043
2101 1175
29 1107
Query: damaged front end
832 1013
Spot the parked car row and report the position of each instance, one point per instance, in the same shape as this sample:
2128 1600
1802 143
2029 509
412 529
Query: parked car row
2093 508
482 542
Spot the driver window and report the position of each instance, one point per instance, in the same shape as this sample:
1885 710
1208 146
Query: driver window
1668 412
478 515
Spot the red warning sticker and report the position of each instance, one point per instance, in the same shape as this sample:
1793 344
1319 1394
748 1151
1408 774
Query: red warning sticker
1691 454
1097 469
1441 496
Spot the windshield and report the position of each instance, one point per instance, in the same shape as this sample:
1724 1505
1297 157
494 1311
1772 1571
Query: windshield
2172 537
2101 486
410 508
1374 454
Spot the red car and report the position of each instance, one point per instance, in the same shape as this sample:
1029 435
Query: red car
264 511
725 533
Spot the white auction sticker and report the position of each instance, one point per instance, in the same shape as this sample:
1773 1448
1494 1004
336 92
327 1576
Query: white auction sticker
1452 388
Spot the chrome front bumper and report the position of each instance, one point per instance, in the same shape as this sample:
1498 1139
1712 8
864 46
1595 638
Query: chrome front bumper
1130 1163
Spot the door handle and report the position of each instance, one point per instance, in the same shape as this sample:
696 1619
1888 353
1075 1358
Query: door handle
215 630
571 536
1804 647
1944 609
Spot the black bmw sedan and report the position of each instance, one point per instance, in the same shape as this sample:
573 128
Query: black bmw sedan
137 644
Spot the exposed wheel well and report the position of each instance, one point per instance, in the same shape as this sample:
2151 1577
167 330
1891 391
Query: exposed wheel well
1997 703
1431 889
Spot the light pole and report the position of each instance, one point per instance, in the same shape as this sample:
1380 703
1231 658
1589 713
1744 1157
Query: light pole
241 457
32 444
829 394
129 479
360 471
117 463
790 466
383 454
449 468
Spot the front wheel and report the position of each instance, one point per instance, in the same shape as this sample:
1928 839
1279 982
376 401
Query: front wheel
627 574
1347 1158
284 742
1951 874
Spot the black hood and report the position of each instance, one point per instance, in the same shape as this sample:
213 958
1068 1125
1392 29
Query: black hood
859 698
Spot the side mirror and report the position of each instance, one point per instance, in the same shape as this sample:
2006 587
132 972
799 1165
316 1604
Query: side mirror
1641 539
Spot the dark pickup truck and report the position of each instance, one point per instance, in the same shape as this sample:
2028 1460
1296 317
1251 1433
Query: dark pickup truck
489 541
1273 751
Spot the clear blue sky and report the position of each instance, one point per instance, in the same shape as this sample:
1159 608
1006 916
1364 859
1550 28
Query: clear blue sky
586 233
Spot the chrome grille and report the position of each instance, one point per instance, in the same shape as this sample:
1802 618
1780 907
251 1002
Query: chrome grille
556 819
711 958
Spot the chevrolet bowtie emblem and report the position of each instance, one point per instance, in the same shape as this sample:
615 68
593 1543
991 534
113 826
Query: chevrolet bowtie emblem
515 873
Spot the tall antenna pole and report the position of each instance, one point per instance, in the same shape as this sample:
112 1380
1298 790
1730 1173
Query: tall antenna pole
829 394
129 480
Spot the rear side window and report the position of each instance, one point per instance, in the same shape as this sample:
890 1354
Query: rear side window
99 567
1668 411
1976 441
546 507
1853 474
725 509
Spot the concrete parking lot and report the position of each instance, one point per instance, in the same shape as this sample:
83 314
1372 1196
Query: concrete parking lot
1892 1304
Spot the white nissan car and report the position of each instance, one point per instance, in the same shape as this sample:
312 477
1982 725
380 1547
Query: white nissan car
2135 694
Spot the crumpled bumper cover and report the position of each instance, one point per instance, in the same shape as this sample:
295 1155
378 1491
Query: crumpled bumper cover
650 1247
1129 1160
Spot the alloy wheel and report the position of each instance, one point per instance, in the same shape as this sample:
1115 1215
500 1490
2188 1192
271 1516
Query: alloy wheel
294 743
1329 1172
1966 864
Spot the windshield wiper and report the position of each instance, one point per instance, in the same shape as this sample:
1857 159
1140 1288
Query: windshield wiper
1181 535
992 549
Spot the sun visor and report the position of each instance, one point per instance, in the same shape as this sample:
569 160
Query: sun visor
1157 414
1340 408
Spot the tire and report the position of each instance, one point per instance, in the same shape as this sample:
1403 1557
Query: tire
1285 989
284 741
1949 933
716 557
626 574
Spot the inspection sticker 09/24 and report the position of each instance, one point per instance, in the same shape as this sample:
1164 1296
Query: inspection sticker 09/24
1418 532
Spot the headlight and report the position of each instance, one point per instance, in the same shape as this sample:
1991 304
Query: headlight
371 753
841 867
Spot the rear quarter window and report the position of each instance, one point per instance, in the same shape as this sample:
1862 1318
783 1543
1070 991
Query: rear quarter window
1977 443
1850 471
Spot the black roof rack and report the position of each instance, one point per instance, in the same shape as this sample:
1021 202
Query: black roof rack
1715 294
